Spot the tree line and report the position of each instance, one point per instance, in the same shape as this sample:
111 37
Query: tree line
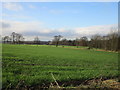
14 38
108 42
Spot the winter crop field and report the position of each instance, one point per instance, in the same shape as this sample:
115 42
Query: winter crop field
32 65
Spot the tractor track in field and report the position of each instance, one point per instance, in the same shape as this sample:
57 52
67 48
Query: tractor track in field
60 66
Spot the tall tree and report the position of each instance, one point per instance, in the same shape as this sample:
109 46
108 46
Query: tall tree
6 39
19 38
77 42
13 35
37 40
83 41
63 42
56 40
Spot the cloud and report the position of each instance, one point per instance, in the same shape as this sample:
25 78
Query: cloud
36 28
99 29
12 6
15 16
19 26
5 25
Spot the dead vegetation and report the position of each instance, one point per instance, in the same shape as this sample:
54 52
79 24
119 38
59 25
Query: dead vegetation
93 84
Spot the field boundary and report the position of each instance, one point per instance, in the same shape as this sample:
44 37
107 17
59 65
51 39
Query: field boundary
91 49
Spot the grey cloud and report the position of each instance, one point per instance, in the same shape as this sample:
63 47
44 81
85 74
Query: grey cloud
51 33
5 25
35 28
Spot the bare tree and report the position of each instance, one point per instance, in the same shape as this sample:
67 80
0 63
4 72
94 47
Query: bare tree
113 39
6 39
77 42
107 42
17 38
56 40
63 42
13 35
37 40
83 41
96 41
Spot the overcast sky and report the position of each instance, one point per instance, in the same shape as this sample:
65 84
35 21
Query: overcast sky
47 19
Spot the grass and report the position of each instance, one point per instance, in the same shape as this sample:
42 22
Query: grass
31 65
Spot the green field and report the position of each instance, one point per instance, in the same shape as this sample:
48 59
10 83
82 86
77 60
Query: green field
31 65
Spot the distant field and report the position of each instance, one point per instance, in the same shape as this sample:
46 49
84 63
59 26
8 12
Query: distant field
31 65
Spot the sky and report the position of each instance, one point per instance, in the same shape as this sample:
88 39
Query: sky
69 19
60 0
